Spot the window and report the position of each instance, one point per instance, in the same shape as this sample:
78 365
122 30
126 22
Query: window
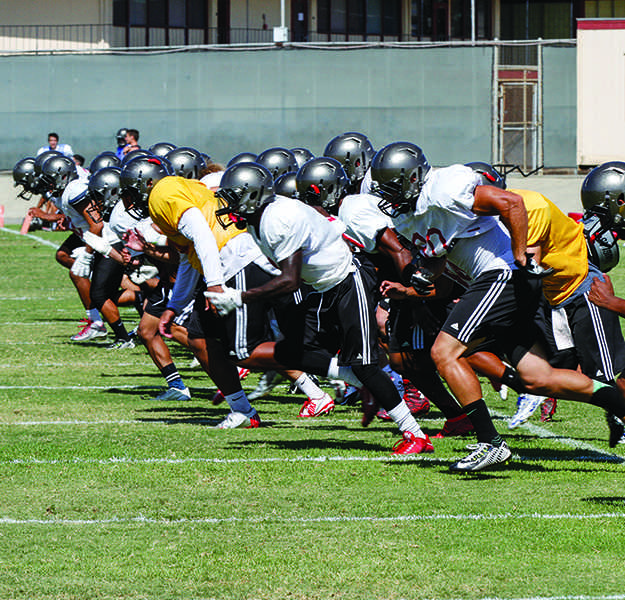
160 13
359 17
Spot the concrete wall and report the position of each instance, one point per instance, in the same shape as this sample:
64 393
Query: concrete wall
225 102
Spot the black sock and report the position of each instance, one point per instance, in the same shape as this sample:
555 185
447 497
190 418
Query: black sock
482 423
512 379
119 330
609 398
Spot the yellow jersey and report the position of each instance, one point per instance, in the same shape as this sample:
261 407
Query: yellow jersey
562 245
171 197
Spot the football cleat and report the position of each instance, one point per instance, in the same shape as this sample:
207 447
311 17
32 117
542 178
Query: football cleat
234 420
243 373
460 425
483 456
383 415
218 398
411 444
121 345
195 364
369 406
617 429
416 402
548 409
527 404
89 331
173 395
267 381
315 407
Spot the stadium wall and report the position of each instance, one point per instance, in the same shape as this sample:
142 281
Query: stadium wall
226 101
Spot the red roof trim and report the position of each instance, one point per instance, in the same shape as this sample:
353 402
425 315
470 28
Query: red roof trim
600 23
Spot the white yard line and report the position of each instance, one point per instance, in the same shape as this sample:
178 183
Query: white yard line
274 518
31 236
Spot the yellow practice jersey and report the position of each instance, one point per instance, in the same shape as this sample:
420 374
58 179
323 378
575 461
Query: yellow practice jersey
562 244
171 198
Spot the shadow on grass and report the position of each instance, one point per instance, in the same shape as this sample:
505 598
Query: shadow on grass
617 501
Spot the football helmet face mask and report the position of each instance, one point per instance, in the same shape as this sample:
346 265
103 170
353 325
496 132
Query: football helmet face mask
398 172
136 180
488 173
278 161
56 173
186 162
104 192
603 191
601 242
286 185
38 185
302 156
245 188
24 175
241 157
104 159
321 182
354 151
162 148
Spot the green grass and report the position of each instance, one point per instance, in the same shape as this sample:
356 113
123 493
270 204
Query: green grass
108 495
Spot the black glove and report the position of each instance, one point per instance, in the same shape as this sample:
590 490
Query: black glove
418 277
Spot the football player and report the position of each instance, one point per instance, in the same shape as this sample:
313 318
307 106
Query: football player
453 218
337 315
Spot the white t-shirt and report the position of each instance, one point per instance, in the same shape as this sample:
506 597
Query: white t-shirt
288 225
65 149
444 224
75 193
363 220
212 180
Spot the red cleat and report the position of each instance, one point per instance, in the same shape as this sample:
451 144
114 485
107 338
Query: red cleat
315 407
548 409
416 402
411 444
243 373
460 425
370 406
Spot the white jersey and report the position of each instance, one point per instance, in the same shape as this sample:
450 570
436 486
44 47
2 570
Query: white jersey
288 225
363 220
443 223
120 222
74 194
212 180
366 183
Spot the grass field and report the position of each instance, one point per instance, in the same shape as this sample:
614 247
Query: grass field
106 494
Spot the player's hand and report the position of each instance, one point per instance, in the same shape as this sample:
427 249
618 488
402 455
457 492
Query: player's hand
601 292
395 290
82 264
533 268
164 325
226 301
134 240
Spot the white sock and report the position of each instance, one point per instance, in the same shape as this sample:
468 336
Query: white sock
405 421
307 386
238 402
343 373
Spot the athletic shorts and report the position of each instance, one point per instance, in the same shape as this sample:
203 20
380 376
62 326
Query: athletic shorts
415 325
498 308
341 320
71 243
157 300
581 333
244 328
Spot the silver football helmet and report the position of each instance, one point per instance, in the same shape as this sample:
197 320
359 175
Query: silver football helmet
488 174
120 136
354 151
24 175
104 159
278 161
302 155
104 192
398 171
245 188
134 154
136 180
321 182
286 185
241 157
57 172
603 192
186 162
162 148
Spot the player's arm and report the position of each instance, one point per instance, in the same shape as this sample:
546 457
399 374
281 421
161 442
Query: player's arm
509 207
287 282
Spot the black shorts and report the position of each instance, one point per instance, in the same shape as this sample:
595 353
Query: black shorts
341 319
71 243
415 325
581 333
157 300
106 278
498 308
243 329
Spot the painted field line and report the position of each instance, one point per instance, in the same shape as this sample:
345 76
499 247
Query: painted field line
32 237
136 363
146 388
581 597
143 520
125 460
